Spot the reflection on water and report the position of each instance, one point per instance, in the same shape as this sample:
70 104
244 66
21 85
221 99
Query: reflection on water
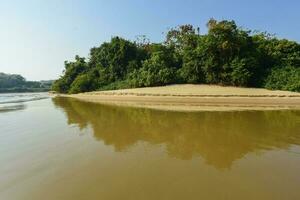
220 138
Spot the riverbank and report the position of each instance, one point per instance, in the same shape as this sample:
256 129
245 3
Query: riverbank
189 97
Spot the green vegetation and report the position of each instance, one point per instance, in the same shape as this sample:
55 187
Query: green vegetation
16 83
226 55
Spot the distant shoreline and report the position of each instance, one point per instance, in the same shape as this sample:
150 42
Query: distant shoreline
188 97
23 91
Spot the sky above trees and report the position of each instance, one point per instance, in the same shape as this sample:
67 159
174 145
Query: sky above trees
37 36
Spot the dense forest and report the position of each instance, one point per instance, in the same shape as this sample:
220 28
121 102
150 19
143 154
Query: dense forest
226 55
17 83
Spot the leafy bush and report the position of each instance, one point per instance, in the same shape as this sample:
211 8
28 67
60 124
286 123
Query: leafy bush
116 85
285 78
155 71
82 83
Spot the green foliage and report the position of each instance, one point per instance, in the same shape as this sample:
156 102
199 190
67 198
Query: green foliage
11 80
72 70
158 70
287 78
17 83
226 55
241 71
115 57
82 83
116 85
192 70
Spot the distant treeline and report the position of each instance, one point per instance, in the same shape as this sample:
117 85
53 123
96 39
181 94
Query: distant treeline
16 83
226 55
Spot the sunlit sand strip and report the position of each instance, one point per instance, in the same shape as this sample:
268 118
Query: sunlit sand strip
180 98
192 90
189 97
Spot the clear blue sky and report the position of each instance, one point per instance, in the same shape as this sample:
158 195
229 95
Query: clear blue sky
37 36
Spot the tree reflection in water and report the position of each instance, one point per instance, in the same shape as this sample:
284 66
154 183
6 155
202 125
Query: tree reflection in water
219 138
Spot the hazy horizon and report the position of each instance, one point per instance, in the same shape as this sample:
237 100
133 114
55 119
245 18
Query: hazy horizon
37 37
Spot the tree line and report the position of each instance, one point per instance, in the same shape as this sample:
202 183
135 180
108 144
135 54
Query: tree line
227 55
17 83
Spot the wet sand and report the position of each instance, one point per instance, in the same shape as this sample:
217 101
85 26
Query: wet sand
190 97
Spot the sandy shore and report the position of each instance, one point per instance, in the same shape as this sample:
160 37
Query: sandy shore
190 97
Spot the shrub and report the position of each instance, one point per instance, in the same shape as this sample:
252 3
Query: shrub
285 78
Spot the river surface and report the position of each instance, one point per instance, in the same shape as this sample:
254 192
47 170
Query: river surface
64 149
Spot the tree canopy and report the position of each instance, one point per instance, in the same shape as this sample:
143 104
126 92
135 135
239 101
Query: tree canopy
225 55
17 83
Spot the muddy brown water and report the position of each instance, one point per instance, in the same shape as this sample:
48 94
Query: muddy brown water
65 149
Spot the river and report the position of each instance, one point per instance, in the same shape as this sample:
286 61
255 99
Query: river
65 149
